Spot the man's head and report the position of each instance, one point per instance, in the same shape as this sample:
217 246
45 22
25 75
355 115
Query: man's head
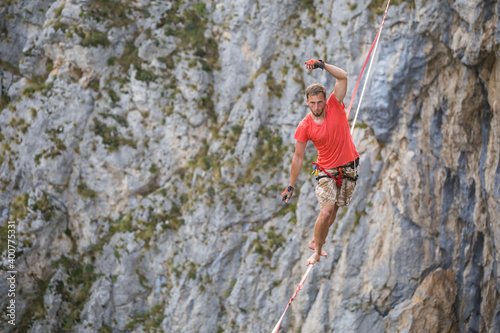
316 99
315 89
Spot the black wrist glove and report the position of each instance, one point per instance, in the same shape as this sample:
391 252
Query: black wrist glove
285 196
316 63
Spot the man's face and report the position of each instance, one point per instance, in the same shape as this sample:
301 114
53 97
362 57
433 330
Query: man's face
317 104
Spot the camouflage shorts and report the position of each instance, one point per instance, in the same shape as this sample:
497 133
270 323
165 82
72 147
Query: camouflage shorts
329 194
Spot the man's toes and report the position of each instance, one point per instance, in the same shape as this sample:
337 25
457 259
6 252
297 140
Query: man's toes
312 259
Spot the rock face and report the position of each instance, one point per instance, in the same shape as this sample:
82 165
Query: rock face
145 145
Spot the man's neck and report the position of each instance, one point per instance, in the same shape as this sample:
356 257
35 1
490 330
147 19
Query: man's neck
319 120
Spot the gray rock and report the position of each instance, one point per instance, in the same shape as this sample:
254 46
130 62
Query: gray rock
160 172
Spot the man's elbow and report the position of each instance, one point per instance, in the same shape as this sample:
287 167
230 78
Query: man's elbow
298 159
343 76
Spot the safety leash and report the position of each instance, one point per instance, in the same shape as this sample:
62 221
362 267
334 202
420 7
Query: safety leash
299 287
374 48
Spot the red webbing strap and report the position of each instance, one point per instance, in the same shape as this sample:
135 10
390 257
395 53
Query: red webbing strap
366 61
299 287
337 180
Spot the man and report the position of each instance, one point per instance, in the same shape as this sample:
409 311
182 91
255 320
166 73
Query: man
326 126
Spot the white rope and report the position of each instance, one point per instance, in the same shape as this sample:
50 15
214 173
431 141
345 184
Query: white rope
369 69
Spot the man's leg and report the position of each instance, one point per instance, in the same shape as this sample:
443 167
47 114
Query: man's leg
323 222
332 220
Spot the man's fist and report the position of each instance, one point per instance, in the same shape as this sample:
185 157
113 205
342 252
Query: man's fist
313 63
285 196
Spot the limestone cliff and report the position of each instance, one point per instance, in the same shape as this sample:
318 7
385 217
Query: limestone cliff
144 145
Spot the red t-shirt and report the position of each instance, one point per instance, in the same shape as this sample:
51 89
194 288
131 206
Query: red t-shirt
332 139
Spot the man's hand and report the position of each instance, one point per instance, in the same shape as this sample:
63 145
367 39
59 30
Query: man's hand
285 196
313 63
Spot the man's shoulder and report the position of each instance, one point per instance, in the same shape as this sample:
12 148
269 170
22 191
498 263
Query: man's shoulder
306 120
335 104
302 132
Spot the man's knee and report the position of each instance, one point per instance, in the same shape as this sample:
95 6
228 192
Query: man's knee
329 211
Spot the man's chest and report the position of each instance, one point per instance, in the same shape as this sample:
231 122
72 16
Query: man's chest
325 133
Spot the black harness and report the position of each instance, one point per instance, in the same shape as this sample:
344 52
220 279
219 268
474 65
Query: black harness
338 177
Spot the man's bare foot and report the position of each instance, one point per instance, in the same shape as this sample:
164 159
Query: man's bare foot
312 246
314 258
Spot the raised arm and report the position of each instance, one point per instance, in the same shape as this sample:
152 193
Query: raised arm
338 73
341 84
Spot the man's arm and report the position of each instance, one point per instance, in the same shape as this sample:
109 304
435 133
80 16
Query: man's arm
341 84
298 159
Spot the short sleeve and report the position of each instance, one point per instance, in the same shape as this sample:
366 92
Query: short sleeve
335 105
301 132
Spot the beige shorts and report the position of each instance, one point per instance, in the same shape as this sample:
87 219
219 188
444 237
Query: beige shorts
329 194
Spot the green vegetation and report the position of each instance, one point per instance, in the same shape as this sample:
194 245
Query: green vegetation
105 329
192 271
377 7
122 224
206 103
231 287
341 213
309 6
4 101
85 191
19 207
274 88
266 248
173 217
75 289
142 279
58 12
130 57
35 309
352 6
19 210
59 145
189 26
45 207
356 220
37 83
269 153
149 321
144 75
121 120
117 14
291 207
154 169
60 26
203 159
110 137
171 220
7 66
19 123
94 38
113 96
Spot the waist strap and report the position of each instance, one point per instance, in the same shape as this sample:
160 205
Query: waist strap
338 180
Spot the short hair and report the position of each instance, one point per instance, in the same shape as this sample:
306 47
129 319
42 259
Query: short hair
315 89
